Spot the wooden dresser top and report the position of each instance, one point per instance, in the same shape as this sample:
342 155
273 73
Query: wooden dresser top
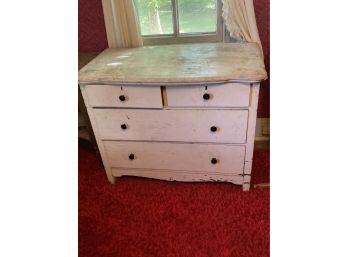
176 64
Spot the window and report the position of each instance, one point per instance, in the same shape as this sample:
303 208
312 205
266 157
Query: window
180 21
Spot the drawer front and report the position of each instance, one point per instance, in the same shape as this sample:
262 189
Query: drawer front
221 126
225 95
175 156
124 96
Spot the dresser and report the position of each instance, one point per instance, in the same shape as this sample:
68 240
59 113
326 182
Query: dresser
176 112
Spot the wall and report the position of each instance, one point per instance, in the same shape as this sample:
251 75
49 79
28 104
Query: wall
92 37
262 18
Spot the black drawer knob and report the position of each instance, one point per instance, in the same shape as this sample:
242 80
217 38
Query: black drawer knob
213 129
206 96
122 98
131 156
214 161
123 126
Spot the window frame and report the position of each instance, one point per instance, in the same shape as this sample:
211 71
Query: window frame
177 38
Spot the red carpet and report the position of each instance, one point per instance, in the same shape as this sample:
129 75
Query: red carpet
148 218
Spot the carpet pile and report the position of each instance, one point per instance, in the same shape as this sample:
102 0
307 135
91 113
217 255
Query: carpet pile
140 217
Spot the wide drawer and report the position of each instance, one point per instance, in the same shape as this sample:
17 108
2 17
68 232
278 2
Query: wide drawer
175 156
221 126
124 96
224 95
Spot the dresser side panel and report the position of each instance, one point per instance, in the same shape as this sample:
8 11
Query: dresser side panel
254 97
107 167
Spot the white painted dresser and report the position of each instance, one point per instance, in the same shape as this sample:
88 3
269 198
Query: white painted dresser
176 112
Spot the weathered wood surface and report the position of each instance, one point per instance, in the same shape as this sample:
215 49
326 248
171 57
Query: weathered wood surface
186 176
177 64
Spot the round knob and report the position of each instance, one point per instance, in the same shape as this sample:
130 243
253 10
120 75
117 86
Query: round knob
206 96
123 126
122 98
131 156
214 160
213 129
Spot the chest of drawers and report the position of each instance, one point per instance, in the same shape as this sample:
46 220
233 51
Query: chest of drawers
179 112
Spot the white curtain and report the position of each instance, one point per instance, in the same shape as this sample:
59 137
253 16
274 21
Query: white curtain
122 23
239 16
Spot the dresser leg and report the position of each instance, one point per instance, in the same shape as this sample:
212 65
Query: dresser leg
246 182
111 178
246 186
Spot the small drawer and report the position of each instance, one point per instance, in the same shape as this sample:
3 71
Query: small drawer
223 95
228 159
124 96
213 126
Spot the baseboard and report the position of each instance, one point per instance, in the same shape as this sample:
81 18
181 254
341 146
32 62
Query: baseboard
262 132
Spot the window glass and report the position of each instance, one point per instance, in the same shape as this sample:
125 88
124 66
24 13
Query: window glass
155 16
197 16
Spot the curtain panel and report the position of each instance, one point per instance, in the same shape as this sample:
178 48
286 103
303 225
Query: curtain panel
239 17
122 23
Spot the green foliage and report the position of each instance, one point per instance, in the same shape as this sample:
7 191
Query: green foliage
189 5
156 4
152 5
194 16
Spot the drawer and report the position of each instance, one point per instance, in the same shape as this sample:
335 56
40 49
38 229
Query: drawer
173 125
175 156
223 95
124 96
